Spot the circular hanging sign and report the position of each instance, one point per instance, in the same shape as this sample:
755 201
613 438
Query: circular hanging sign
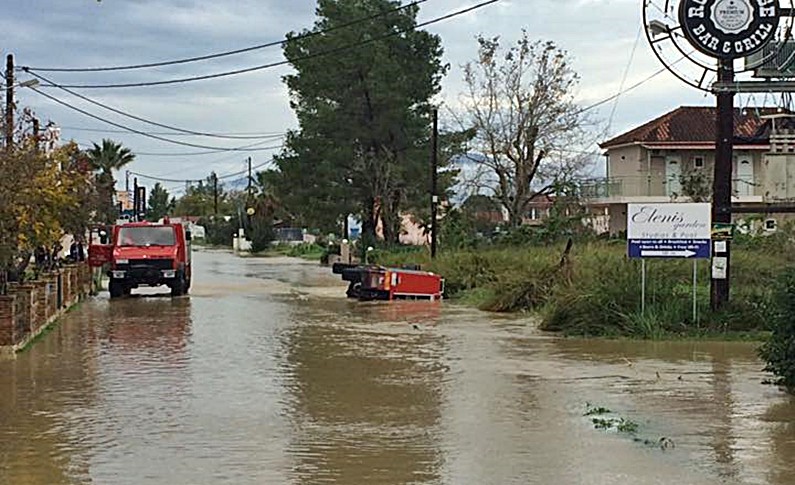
729 29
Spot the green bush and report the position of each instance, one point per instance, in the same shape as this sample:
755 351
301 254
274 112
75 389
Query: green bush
261 234
779 351
218 231
307 251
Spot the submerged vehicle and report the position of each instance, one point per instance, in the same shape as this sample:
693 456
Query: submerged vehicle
145 254
380 283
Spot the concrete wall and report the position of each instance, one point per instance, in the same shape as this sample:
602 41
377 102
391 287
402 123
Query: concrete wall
778 180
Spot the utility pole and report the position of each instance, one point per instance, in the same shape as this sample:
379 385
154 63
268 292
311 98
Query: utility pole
249 180
36 132
135 199
9 101
215 193
434 180
722 182
127 182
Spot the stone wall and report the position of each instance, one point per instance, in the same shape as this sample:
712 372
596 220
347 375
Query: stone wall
30 308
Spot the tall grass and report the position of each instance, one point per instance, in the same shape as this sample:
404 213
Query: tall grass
599 291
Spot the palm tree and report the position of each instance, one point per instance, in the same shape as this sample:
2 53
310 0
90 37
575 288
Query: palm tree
110 156
104 160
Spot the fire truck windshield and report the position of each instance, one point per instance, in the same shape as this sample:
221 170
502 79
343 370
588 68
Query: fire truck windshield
147 236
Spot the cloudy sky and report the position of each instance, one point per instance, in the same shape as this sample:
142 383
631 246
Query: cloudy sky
600 35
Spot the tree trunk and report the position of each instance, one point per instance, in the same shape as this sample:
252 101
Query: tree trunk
369 221
515 218
390 216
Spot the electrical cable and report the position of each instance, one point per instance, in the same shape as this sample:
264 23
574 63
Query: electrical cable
208 152
624 80
220 177
245 172
230 52
257 135
634 86
138 118
143 133
273 64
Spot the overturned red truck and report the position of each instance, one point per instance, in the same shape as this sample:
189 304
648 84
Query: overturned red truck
380 283
144 254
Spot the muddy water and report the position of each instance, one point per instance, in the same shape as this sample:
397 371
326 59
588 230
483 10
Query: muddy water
266 374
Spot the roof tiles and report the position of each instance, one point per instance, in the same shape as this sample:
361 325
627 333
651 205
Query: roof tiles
692 124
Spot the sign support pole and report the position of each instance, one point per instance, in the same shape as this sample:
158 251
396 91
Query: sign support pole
722 180
695 291
643 287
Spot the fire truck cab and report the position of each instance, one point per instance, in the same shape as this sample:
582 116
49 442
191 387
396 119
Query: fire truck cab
146 254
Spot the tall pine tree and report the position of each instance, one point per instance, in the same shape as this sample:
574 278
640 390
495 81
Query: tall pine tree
362 95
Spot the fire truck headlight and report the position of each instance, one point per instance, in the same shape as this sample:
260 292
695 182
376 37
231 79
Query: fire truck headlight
169 273
118 275
122 261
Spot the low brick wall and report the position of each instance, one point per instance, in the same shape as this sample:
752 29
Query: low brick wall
30 308
7 320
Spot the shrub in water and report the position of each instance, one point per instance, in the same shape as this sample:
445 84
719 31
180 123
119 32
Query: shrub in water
779 351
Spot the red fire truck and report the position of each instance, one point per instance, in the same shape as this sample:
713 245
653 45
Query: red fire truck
144 254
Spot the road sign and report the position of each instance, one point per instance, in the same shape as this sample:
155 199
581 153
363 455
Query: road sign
722 232
671 230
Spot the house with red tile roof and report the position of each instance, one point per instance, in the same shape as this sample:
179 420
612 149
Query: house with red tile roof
654 162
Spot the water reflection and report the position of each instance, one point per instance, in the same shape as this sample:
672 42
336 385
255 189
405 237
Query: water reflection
251 380
156 325
780 421
708 396
365 400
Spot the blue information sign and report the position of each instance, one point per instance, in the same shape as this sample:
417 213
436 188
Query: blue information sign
670 248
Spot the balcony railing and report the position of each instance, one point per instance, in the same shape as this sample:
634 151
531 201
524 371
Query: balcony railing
654 186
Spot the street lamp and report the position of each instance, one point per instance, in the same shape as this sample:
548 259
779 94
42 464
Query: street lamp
29 83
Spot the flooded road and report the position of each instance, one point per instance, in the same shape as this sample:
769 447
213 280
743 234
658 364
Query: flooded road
267 374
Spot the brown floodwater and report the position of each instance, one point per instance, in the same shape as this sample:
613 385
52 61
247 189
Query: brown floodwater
267 374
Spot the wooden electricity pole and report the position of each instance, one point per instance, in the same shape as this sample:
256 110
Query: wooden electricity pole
250 187
215 194
434 181
9 101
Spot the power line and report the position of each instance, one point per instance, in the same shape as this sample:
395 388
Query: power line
230 52
274 64
220 177
208 152
245 172
138 118
624 79
255 134
89 145
139 132
634 86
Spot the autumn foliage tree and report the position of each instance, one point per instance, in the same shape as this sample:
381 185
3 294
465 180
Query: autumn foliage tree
43 194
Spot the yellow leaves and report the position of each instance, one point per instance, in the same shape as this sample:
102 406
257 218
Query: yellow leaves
38 191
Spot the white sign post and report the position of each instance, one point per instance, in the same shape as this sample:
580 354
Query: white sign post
665 231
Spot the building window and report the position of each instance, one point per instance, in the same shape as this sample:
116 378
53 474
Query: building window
698 163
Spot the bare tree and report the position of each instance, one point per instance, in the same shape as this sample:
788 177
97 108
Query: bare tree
520 102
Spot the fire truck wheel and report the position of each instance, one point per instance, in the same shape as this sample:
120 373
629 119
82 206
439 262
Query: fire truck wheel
178 289
116 289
